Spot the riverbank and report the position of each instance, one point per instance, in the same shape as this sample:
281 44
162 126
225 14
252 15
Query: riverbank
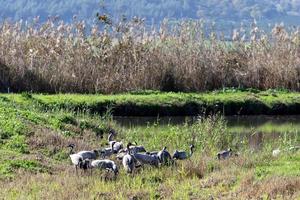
152 103
35 159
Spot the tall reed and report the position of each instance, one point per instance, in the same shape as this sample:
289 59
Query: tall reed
58 57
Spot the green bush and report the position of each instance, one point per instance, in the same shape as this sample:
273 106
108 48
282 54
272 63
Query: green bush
8 167
10 122
17 143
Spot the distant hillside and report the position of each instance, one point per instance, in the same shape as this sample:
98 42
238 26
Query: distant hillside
226 12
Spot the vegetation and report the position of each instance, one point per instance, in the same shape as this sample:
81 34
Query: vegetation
35 161
154 103
139 69
57 57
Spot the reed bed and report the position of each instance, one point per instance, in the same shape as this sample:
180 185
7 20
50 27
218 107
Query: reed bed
128 56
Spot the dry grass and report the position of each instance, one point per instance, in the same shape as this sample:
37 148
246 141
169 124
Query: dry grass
53 141
271 188
58 57
229 181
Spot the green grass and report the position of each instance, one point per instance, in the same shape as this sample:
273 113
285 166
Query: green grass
8 167
19 123
35 130
227 101
286 165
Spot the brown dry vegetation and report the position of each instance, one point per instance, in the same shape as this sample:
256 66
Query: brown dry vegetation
58 57
228 182
272 188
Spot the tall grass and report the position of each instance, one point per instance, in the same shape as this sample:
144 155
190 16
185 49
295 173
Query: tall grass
58 57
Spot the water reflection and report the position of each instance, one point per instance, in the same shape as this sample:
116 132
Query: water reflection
232 121
256 129
255 140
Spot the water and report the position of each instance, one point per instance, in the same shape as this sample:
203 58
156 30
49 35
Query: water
257 129
232 121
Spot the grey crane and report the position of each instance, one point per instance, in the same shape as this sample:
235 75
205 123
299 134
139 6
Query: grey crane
111 134
105 164
116 146
128 161
89 154
136 148
85 154
142 158
164 156
108 151
78 161
131 148
224 154
146 159
152 153
85 165
121 154
71 146
182 155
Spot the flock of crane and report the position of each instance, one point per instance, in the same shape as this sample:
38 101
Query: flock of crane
132 156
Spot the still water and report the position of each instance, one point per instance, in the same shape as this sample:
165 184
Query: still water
232 121
256 129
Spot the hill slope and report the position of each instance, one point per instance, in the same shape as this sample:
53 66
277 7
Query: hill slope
227 12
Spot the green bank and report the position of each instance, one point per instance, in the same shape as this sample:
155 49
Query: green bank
35 130
153 103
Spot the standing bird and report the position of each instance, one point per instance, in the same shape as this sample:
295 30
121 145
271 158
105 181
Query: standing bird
105 164
116 146
71 146
142 158
224 154
128 161
76 160
164 156
182 155
112 133
80 159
